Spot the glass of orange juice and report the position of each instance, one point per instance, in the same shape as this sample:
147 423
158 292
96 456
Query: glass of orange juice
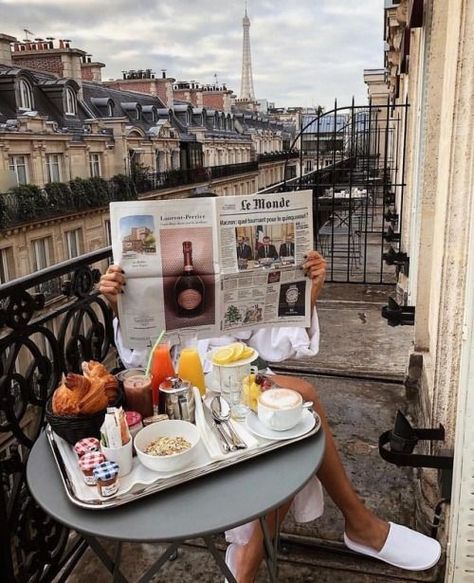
189 361
161 368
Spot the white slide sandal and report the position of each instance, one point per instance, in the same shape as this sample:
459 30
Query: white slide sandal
404 548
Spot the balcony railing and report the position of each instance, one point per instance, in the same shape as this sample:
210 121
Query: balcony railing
173 178
29 203
39 341
150 181
276 156
232 169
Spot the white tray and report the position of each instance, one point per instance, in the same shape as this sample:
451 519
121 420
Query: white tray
142 482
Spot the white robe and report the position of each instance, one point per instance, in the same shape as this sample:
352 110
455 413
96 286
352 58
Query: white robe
273 345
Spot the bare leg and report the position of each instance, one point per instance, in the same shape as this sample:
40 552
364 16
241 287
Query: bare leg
362 525
249 556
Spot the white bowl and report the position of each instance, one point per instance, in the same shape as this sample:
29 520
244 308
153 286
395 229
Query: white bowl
171 428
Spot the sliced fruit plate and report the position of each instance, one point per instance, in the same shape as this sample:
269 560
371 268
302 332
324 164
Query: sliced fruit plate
235 354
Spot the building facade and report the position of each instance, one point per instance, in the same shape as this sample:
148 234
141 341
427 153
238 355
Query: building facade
69 144
430 65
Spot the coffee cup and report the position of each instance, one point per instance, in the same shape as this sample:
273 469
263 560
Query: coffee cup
280 409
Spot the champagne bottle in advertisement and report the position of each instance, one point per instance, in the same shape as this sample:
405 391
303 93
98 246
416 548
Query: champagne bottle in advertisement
189 291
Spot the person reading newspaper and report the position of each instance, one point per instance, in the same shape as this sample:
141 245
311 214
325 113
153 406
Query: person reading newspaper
365 532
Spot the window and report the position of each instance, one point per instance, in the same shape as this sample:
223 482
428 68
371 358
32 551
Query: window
19 166
110 108
70 102
42 253
94 163
53 167
6 265
26 94
74 243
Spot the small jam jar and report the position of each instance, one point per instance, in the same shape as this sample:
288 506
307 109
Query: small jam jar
106 477
86 445
87 463
134 422
154 419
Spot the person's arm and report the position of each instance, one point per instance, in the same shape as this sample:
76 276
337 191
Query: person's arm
111 285
315 268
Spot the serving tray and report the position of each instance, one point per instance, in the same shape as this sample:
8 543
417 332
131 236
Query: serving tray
142 482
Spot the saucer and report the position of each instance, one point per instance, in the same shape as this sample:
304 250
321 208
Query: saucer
307 423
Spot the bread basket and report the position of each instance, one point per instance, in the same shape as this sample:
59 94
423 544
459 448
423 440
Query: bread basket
72 428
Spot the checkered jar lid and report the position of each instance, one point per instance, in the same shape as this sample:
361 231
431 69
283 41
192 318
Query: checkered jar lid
90 460
106 471
87 445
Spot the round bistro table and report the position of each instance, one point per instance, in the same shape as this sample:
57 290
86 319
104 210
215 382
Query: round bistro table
201 508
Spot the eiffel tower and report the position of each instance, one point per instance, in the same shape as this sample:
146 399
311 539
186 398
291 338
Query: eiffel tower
246 84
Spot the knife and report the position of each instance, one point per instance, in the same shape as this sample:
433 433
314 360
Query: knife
216 429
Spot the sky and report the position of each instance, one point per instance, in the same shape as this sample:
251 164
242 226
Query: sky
304 52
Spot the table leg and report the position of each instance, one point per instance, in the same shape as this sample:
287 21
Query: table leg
219 560
153 569
106 560
118 554
269 550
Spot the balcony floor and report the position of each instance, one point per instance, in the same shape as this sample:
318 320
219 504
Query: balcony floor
359 409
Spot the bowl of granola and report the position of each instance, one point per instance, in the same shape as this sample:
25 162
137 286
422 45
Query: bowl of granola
167 446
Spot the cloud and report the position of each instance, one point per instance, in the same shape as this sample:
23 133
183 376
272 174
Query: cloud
303 53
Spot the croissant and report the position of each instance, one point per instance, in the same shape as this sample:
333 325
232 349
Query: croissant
94 369
67 396
95 399
86 394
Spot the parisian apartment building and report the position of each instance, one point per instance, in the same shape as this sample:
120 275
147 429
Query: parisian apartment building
71 142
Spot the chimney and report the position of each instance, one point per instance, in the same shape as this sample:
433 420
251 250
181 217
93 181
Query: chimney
5 49
61 60
91 70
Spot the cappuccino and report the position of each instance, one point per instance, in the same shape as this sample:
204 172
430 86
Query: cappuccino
279 399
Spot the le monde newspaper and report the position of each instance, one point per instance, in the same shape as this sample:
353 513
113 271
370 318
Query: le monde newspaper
215 265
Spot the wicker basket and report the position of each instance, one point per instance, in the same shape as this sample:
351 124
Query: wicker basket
72 428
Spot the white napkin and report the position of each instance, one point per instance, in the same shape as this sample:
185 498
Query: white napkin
209 438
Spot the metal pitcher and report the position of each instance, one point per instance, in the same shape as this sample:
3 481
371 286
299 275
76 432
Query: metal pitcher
177 399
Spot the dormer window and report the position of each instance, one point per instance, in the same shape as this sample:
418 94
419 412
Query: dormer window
110 108
26 94
70 102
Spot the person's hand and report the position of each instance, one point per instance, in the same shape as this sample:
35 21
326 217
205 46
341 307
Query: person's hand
111 285
315 268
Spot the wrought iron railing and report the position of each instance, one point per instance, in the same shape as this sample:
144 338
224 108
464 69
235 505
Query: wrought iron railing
357 154
232 169
277 156
29 203
39 341
150 181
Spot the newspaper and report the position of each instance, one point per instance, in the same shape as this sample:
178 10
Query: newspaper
213 265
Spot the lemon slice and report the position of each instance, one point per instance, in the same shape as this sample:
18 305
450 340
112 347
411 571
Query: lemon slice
223 355
247 352
237 349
